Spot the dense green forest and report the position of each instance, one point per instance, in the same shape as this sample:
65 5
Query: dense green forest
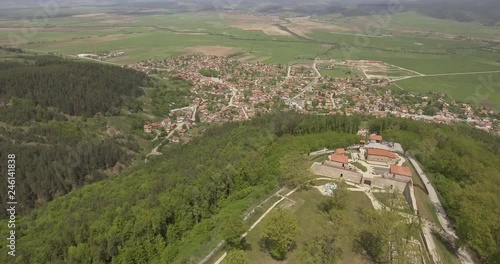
56 151
463 165
163 211
57 157
71 87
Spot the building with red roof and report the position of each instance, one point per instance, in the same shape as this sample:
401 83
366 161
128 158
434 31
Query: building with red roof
374 138
339 161
340 151
380 155
401 172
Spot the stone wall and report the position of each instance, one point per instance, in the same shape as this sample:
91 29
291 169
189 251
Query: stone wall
384 183
333 164
377 158
409 195
336 173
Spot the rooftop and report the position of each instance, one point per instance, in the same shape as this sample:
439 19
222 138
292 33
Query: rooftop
401 170
381 152
339 158
375 137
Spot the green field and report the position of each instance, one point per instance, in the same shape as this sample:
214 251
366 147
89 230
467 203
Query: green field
481 89
415 42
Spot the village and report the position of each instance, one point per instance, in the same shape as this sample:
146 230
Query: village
225 89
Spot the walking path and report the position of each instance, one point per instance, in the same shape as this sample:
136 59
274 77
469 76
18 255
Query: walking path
283 197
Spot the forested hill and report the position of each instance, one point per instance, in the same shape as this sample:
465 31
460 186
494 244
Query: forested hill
56 150
72 87
170 210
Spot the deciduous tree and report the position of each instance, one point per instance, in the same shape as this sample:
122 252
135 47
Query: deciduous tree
278 232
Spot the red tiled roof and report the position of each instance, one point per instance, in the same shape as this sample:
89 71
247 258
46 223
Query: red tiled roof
340 151
339 158
401 170
381 152
375 137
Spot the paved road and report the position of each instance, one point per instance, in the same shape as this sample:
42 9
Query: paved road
442 74
316 79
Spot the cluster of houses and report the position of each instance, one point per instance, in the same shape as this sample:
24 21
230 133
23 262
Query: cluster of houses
176 126
226 89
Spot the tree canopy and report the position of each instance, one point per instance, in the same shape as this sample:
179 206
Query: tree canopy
74 88
279 230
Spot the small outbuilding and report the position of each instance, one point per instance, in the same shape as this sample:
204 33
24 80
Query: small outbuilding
339 161
401 173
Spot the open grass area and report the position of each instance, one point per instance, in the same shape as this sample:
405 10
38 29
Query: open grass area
340 72
481 88
395 201
310 218
359 166
411 23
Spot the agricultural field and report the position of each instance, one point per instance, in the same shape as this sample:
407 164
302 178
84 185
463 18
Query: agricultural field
432 46
481 89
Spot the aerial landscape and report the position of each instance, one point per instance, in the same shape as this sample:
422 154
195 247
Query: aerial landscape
250 131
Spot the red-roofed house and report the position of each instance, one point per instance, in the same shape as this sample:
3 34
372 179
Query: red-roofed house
148 128
375 138
401 172
339 161
380 155
340 151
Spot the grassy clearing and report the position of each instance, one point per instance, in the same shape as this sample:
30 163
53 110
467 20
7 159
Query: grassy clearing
339 72
359 166
310 218
396 201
